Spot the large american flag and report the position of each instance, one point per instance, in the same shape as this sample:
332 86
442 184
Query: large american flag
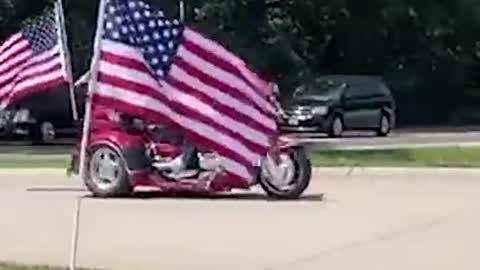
160 69
31 60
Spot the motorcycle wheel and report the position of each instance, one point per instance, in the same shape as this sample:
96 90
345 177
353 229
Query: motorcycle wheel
106 174
295 179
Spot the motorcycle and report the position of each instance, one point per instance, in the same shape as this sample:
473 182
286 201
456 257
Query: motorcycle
122 158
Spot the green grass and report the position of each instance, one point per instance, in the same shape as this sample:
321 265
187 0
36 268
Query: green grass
14 266
423 157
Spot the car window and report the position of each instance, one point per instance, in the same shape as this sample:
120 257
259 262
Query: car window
365 89
322 87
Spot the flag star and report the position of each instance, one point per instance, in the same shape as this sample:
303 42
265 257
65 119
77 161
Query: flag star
147 13
111 9
131 4
160 73
152 24
170 45
109 25
124 30
116 35
161 48
168 23
132 28
155 61
166 33
146 38
151 49
141 27
137 15
175 32
160 23
118 19
165 58
176 22
160 14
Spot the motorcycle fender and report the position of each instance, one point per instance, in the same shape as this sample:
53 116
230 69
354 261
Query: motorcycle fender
288 142
131 147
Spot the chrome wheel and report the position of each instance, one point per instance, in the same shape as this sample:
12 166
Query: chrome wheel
281 176
105 169
288 179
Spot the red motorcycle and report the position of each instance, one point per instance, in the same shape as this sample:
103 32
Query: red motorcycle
122 158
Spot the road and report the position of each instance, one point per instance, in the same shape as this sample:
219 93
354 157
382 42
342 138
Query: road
404 219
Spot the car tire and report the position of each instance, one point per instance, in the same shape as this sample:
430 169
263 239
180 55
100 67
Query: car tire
385 126
336 127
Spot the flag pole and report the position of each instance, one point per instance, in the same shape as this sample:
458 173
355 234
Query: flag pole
92 85
67 64
181 9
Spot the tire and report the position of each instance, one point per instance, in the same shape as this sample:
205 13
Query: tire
385 126
303 174
119 184
336 127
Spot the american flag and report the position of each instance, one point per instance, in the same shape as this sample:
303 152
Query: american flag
31 60
160 69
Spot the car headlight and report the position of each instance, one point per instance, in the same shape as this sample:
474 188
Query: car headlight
320 110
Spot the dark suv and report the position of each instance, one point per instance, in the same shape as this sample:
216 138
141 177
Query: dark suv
335 103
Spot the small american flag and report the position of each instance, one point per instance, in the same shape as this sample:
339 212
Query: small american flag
31 60
158 68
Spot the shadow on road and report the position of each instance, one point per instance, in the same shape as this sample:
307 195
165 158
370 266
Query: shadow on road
232 197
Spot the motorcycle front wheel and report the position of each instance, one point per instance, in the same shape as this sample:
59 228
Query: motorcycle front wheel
289 179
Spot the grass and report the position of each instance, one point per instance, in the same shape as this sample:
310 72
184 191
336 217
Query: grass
15 266
423 157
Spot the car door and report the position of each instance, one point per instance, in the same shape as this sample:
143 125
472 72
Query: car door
361 107
352 111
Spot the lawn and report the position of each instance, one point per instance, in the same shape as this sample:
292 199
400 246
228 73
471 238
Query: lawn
422 157
14 266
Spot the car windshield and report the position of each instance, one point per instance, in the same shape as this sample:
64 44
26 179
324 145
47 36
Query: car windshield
321 87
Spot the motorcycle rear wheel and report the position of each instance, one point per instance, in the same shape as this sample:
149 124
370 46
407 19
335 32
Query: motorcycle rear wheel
299 182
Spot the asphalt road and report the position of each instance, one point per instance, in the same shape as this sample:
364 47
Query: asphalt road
366 220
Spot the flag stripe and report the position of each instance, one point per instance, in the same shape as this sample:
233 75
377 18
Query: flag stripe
197 80
16 60
35 64
131 102
199 72
221 107
223 53
147 91
144 83
40 86
222 63
10 42
15 49
225 77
